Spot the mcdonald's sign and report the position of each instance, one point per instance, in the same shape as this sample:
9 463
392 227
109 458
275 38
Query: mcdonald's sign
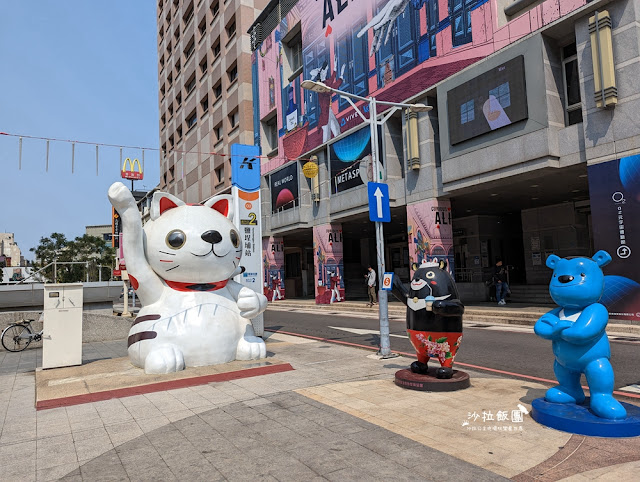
131 173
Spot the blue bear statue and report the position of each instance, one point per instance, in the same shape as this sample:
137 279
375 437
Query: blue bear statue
577 330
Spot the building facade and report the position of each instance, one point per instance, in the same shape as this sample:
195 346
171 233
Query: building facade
531 147
204 76
9 250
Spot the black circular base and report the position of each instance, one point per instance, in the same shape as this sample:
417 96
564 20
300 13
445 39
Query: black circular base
429 383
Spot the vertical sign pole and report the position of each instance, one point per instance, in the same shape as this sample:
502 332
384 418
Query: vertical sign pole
385 343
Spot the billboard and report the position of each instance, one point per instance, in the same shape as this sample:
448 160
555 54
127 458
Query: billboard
614 189
351 161
430 232
495 99
283 185
329 266
273 261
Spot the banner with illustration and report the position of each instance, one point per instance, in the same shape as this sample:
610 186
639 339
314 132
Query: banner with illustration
430 232
273 262
351 160
283 185
614 188
328 263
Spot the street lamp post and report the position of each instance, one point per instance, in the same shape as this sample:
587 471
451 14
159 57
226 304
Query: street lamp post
372 120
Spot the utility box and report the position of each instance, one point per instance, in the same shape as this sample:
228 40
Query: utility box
62 335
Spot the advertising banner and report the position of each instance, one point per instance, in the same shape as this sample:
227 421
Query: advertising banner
328 263
614 189
283 185
430 232
273 262
351 161
492 100
245 172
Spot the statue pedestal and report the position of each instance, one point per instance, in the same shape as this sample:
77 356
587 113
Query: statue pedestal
578 419
429 383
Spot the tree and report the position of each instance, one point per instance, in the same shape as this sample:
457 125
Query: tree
87 249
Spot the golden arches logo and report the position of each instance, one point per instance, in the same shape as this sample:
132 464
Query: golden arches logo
131 173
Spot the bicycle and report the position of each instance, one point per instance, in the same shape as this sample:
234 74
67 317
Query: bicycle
18 336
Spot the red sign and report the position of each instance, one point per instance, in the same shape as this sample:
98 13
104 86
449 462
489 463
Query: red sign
117 272
131 172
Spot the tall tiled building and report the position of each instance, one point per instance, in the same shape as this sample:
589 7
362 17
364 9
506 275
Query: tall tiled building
204 77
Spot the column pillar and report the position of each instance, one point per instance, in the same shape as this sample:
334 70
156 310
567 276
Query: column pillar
273 267
328 263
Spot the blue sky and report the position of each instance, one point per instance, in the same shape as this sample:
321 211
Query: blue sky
77 70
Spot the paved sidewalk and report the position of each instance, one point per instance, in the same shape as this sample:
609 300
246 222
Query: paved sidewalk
336 416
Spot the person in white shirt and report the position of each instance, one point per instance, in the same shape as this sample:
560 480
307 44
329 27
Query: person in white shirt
371 286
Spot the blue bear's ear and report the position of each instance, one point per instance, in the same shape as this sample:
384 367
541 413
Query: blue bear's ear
552 261
602 258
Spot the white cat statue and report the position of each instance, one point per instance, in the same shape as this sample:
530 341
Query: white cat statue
180 265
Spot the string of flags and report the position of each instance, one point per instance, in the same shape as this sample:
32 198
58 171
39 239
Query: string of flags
98 145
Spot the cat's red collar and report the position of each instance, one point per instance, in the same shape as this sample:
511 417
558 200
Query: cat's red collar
179 286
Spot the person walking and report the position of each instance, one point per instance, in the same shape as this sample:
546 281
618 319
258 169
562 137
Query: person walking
500 281
371 286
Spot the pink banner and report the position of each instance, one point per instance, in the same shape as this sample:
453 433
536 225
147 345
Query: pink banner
273 265
430 232
329 268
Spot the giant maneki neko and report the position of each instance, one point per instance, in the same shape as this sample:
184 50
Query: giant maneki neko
181 265
434 316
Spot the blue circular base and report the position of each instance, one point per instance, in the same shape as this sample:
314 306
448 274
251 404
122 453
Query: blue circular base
578 419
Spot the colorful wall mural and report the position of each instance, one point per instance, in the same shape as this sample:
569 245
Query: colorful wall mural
430 232
614 189
273 266
392 49
328 263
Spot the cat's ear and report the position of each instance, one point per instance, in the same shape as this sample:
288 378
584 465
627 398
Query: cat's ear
162 202
223 204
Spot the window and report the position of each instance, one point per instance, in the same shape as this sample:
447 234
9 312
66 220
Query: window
179 133
352 53
170 111
169 48
460 17
433 22
202 28
204 104
191 84
188 15
215 9
162 62
178 99
571 78
178 67
315 56
171 142
162 90
232 73
164 150
176 34
294 52
192 119
169 79
400 53
271 133
231 28
172 173
234 118
217 130
467 113
220 173
163 120
216 48
203 66
189 50
161 33
217 90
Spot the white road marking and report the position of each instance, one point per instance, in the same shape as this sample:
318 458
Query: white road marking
630 388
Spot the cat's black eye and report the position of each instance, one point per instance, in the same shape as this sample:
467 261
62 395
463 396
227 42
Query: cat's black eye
176 239
583 275
234 238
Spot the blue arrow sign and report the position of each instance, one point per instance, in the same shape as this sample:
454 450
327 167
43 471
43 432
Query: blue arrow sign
379 210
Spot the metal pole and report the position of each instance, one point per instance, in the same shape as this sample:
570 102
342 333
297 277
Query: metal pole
55 271
385 344
86 265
